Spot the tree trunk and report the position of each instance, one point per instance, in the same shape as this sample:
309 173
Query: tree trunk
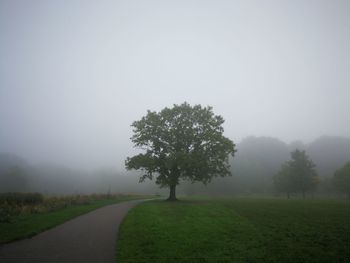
288 195
349 195
303 194
172 195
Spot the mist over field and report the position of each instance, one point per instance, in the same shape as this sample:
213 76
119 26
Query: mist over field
74 75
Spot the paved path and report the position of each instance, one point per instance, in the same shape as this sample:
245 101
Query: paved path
87 238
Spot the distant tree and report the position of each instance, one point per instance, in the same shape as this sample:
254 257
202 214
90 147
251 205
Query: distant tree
181 143
341 179
297 175
283 180
303 172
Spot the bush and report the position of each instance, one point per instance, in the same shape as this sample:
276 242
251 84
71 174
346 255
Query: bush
13 204
21 198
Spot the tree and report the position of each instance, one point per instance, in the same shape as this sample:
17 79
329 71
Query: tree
283 180
303 172
341 179
297 175
181 143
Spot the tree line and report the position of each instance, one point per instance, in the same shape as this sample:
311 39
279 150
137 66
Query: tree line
184 149
299 175
186 143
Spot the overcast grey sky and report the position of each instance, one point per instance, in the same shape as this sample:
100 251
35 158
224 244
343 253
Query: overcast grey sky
75 74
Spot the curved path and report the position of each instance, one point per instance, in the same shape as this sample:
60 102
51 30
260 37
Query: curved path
87 238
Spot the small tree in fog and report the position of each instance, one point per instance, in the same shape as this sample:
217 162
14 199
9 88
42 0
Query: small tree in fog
303 172
181 143
341 179
283 180
297 175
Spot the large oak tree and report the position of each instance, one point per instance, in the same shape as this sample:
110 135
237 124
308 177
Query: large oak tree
181 143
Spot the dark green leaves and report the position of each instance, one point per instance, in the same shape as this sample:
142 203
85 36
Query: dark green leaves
182 142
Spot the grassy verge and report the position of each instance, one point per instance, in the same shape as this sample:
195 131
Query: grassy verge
27 225
236 230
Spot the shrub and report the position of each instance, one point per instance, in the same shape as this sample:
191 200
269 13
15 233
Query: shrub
21 198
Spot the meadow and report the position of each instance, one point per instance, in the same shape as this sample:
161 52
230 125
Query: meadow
24 215
236 230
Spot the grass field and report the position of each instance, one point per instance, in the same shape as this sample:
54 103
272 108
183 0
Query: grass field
28 225
236 230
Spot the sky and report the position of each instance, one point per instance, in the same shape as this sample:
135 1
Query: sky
74 74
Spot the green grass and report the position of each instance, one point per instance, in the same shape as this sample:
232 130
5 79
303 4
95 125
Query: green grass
236 230
27 225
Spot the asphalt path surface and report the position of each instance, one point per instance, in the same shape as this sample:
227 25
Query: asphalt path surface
87 238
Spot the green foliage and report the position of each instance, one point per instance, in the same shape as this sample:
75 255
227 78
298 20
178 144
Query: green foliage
236 230
341 179
303 171
182 142
12 204
297 175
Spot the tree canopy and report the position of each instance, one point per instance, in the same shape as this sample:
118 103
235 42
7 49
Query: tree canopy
341 179
181 143
296 175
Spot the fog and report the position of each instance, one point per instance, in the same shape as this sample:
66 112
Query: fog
75 74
